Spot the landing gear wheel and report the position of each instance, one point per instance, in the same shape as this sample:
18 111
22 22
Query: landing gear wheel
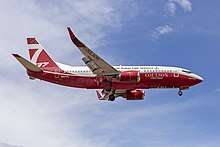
180 93
111 97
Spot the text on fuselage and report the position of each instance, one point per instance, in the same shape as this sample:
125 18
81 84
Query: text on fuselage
156 75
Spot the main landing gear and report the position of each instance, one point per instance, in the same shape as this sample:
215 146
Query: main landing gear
111 97
109 87
180 93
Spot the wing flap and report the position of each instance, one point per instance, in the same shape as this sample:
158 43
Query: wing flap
27 64
92 65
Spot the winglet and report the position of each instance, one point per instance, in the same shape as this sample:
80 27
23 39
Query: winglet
27 64
74 39
99 95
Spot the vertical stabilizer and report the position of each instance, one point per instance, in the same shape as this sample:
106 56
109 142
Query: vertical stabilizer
39 56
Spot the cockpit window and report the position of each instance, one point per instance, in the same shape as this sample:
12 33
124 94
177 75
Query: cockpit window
186 71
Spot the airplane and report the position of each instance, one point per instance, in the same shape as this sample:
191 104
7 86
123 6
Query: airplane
127 82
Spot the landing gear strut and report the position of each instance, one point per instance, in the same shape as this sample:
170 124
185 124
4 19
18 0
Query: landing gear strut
180 93
111 97
109 87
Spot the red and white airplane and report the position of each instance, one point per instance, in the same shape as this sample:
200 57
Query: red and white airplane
115 81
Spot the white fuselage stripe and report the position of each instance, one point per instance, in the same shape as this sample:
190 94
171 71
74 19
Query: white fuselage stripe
85 71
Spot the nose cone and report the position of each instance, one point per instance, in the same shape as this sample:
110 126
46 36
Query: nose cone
198 79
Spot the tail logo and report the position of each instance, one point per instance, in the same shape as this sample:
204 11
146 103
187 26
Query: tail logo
39 56
42 64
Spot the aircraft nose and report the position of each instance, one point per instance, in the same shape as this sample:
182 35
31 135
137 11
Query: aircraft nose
199 79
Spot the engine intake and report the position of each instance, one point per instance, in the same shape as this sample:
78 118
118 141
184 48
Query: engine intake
135 95
129 76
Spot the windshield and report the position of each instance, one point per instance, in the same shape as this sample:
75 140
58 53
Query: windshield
187 71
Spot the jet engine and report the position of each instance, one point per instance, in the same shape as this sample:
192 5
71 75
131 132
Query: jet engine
135 95
129 76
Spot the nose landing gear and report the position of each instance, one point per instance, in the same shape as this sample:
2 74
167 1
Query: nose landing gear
180 93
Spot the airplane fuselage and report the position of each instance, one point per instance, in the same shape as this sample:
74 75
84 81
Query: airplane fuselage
150 77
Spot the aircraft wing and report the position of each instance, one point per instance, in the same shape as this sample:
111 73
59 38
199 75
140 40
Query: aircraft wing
95 63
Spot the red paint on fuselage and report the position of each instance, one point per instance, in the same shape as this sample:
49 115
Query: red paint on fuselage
147 80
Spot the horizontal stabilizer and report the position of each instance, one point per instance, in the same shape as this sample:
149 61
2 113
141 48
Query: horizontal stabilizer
27 64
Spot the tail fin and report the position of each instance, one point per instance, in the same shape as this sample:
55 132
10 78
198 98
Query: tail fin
39 56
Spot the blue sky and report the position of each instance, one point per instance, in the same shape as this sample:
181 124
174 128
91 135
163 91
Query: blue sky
182 33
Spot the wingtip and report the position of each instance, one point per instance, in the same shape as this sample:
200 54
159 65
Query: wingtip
68 28
16 55
72 36
74 39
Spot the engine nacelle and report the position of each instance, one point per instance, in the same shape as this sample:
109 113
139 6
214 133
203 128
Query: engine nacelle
129 76
135 95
